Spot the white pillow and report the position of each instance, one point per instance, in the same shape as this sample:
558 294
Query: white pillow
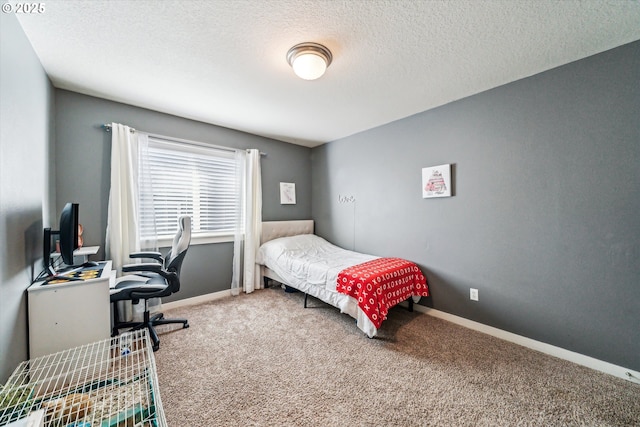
273 248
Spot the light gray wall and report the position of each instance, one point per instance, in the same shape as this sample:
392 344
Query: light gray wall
83 161
26 190
545 220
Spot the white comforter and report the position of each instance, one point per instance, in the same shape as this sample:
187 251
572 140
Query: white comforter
308 259
311 264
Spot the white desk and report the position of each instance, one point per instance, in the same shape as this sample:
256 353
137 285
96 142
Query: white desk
69 314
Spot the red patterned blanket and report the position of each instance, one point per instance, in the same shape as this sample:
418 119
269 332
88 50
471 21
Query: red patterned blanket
380 284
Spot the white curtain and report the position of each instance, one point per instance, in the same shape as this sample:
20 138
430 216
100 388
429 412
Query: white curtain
253 222
246 246
238 241
122 228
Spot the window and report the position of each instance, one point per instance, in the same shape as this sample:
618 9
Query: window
177 179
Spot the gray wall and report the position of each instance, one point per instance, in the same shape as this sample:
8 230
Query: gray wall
83 163
26 190
545 220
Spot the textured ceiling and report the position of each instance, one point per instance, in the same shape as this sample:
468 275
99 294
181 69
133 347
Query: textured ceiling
224 61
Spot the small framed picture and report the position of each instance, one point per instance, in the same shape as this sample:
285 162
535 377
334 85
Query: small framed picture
436 181
287 193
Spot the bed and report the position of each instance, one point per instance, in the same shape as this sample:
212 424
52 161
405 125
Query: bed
360 285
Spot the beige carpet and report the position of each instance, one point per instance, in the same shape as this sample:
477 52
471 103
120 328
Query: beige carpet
264 360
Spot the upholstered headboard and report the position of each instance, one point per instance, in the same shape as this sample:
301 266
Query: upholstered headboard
274 229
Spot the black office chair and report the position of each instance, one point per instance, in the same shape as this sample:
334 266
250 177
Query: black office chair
151 280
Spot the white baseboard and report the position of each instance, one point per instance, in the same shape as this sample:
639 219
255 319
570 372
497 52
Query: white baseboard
196 300
561 353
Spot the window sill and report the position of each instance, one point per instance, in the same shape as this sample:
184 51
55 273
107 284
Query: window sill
166 242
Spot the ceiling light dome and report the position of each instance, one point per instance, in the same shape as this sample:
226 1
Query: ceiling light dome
309 60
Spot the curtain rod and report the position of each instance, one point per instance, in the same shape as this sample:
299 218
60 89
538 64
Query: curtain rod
107 128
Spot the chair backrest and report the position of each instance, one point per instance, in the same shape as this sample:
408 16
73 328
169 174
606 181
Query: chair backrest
181 241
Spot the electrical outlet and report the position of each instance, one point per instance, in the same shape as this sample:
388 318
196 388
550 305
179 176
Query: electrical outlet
473 294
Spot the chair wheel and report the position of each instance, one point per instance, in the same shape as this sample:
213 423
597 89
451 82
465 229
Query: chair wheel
185 326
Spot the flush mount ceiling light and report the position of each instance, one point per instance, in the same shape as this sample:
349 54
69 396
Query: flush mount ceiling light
309 60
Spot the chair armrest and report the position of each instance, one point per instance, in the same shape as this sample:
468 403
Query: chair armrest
153 255
146 266
170 276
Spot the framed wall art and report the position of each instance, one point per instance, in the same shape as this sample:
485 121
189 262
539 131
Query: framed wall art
436 181
287 193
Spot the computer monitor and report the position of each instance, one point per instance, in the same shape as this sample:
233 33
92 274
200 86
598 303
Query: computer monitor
67 237
68 232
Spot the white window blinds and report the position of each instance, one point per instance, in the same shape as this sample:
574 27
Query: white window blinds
186 179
